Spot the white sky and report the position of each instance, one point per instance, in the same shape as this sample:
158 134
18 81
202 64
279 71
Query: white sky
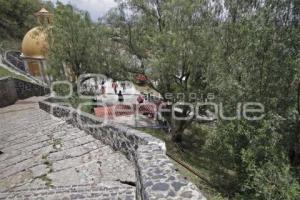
96 8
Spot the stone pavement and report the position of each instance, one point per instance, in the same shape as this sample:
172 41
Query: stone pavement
130 94
42 157
130 98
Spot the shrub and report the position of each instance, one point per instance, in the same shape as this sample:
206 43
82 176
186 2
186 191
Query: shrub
248 160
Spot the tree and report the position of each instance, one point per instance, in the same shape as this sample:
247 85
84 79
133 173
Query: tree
249 159
256 60
108 55
17 17
242 51
164 40
71 40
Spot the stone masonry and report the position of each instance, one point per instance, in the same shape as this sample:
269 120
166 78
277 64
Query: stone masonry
43 157
157 177
12 89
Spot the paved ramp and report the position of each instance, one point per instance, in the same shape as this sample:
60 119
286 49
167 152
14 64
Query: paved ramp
42 157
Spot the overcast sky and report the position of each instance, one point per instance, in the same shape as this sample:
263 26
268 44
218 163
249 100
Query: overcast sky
96 8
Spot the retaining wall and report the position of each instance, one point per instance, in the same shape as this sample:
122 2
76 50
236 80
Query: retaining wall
8 94
157 176
12 89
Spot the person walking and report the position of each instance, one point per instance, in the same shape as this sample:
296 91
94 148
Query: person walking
123 84
103 88
140 99
120 97
115 86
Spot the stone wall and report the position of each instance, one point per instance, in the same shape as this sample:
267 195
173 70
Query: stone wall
12 89
8 94
157 176
26 89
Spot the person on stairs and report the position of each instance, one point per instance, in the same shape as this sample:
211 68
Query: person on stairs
115 86
120 97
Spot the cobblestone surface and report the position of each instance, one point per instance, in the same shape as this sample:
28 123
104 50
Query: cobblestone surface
42 157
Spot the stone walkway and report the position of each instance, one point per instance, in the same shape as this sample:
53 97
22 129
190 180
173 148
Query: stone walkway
130 94
42 157
130 98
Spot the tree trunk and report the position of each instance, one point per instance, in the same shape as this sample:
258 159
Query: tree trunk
176 136
294 153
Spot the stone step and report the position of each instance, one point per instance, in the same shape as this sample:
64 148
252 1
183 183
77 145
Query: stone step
43 157
103 191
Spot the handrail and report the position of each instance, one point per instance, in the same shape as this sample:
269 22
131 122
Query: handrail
190 169
2 51
5 59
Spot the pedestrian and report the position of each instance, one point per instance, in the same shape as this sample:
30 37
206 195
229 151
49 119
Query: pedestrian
103 88
123 84
120 97
140 99
115 86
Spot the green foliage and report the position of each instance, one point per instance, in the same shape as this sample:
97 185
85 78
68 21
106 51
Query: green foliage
82 45
258 55
269 180
4 72
242 51
17 17
166 42
61 90
250 161
70 40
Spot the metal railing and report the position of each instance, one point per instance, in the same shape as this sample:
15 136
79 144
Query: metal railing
2 51
13 60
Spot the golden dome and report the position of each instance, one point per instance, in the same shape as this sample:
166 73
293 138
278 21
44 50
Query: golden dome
34 44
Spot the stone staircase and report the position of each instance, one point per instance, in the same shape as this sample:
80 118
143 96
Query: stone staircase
43 157
91 192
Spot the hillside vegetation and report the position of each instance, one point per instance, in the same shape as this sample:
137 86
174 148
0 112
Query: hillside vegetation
17 17
227 52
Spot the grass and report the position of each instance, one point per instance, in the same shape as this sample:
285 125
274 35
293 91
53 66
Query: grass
44 177
189 152
146 89
4 72
57 142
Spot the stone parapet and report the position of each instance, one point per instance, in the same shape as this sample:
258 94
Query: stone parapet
12 89
157 177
